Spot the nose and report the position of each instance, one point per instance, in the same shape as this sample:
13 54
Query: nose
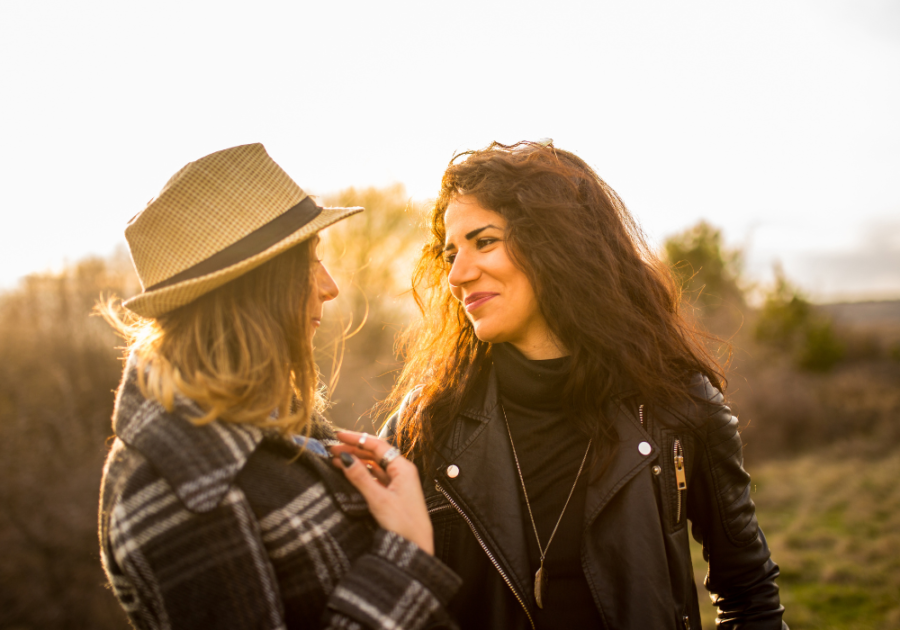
325 284
462 270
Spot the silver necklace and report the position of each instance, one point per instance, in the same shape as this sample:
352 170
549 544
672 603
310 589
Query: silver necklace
540 578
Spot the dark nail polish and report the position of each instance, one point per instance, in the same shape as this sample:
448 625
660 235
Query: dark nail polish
346 460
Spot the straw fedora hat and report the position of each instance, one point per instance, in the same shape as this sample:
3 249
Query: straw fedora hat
214 220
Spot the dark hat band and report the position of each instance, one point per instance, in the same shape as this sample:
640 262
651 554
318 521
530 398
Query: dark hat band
258 241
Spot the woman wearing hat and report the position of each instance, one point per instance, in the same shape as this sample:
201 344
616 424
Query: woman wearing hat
220 505
567 420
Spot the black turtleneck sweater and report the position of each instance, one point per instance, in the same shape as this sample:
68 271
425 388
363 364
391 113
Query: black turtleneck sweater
550 451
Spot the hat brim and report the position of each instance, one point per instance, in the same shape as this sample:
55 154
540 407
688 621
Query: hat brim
157 302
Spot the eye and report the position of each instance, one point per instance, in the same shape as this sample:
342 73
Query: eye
449 258
485 241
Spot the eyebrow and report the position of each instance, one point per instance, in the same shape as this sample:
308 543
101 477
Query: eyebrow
471 235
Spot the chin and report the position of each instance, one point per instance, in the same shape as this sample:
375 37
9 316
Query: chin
487 335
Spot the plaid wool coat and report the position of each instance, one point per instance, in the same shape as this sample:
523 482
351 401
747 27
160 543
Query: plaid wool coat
228 526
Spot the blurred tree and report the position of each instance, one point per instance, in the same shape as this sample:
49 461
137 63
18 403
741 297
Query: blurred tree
708 272
787 321
821 349
783 314
371 256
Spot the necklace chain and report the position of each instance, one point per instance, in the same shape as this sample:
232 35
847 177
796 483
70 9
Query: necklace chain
528 503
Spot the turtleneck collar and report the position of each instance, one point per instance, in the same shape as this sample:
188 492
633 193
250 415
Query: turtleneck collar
532 384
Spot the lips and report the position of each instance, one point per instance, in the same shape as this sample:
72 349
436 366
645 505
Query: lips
475 300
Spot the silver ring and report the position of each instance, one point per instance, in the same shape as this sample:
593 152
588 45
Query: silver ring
362 440
391 455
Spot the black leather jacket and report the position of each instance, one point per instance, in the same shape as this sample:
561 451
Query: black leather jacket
634 549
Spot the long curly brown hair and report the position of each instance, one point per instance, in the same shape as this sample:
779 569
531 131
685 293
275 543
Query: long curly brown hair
604 293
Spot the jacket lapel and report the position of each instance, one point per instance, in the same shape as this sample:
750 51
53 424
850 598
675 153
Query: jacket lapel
491 497
627 461
487 484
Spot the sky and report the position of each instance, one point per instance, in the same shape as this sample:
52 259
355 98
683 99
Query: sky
775 120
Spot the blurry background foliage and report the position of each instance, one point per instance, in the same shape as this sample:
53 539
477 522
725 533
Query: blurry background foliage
371 256
789 322
709 272
815 387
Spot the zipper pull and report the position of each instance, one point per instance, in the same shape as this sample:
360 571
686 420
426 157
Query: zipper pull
680 478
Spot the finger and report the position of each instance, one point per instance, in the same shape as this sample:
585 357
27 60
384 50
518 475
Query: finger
354 450
376 471
374 445
359 476
374 465
355 438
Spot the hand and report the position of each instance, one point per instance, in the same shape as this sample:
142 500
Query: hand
394 494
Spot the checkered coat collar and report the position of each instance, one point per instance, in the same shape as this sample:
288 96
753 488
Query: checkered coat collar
200 463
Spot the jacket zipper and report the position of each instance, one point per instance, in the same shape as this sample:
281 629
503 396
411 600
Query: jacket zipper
486 550
440 508
680 478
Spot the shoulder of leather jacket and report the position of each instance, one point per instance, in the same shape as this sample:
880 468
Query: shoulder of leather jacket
709 419
478 404
705 403
717 428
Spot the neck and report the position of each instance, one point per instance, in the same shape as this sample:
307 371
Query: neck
532 384
539 349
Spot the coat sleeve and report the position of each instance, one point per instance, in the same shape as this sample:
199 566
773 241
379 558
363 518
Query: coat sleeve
174 568
395 585
741 575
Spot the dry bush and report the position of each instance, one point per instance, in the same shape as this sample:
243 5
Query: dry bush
371 256
785 411
58 371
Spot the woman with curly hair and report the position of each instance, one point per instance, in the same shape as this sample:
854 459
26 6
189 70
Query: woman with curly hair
566 419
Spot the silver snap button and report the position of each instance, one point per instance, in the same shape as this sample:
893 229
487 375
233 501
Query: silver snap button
644 448
656 470
452 471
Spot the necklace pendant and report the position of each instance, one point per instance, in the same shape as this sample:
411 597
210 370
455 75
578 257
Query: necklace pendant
540 586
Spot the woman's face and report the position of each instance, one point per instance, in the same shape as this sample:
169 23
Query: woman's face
324 289
497 296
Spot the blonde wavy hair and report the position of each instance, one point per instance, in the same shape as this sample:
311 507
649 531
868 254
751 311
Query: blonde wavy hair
243 352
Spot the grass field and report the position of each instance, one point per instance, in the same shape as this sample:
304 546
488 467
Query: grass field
832 520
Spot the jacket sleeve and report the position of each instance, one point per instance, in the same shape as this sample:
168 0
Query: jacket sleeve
173 568
741 576
395 585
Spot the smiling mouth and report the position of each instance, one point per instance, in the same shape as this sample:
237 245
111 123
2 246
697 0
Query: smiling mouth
475 300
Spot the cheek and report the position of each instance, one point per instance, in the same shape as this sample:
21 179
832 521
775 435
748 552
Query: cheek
526 300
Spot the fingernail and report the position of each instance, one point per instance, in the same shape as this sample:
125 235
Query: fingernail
346 460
